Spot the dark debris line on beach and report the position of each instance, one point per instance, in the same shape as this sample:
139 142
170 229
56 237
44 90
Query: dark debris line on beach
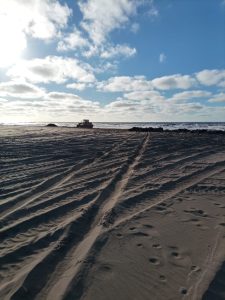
181 130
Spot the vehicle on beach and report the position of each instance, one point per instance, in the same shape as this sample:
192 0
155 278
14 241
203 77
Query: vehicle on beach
85 124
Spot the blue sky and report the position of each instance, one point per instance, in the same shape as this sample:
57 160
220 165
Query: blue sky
112 60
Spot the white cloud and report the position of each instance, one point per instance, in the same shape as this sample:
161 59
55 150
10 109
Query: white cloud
153 12
92 50
122 109
42 19
13 43
218 98
222 84
162 57
108 51
106 66
3 101
38 18
138 102
72 41
188 109
126 108
176 81
53 105
77 86
118 50
70 104
191 107
135 27
121 104
52 69
154 96
63 107
125 84
68 100
189 95
100 17
61 96
20 89
211 77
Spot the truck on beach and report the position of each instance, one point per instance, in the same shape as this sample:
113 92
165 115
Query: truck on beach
85 124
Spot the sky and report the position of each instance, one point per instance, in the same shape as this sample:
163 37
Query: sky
112 60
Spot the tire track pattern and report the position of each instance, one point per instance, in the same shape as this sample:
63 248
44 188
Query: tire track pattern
55 205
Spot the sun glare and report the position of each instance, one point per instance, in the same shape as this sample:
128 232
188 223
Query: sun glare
13 42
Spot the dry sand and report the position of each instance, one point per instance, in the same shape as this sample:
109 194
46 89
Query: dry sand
109 214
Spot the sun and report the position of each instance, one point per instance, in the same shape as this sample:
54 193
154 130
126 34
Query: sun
12 43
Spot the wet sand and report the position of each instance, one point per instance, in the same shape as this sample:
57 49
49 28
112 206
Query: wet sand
111 214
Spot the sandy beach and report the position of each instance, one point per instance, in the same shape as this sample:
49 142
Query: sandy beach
111 214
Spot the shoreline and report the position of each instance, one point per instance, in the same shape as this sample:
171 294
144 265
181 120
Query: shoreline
129 125
131 129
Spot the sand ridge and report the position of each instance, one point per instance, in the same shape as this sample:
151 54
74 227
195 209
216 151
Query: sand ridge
110 214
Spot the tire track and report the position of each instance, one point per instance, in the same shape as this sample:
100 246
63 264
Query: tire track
58 180
75 287
166 192
77 250
65 231
176 164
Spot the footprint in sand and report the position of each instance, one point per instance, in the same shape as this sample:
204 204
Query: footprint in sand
180 199
148 226
160 208
178 257
132 228
195 268
201 212
140 233
196 212
183 291
119 235
175 254
157 246
105 268
154 260
162 277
